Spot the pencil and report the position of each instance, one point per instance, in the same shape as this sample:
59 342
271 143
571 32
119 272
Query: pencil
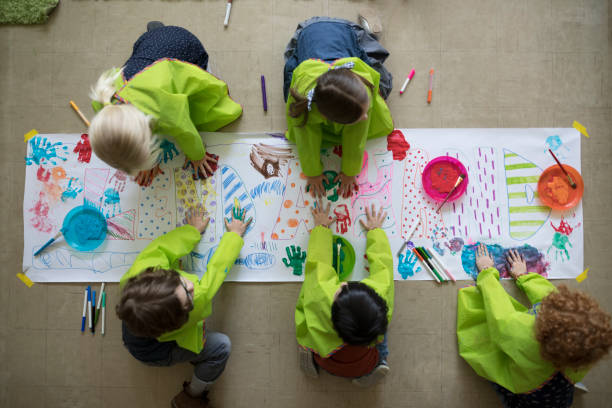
418 255
228 8
78 111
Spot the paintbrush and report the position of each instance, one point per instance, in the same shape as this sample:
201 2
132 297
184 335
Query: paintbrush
459 180
569 178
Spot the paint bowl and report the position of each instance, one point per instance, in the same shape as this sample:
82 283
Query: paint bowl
84 228
347 257
555 191
440 175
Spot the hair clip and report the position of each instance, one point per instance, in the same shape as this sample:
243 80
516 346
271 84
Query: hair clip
309 97
349 65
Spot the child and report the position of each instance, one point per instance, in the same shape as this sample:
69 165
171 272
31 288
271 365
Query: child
342 327
163 308
533 356
334 79
163 88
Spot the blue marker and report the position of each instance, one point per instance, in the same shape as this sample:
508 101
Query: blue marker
89 306
84 312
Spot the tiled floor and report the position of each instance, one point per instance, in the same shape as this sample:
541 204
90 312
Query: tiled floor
499 63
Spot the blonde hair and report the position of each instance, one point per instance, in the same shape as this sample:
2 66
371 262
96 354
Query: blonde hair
121 135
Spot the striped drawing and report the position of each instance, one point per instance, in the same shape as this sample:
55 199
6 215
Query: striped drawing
526 215
233 188
94 186
121 226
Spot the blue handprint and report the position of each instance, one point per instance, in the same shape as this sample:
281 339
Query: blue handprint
407 263
42 150
168 149
71 191
295 259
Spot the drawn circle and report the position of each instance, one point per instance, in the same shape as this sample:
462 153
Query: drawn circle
58 173
554 189
441 163
348 263
84 228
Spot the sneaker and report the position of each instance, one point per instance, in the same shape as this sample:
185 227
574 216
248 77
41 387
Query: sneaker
307 363
184 400
374 377
152 25
370 21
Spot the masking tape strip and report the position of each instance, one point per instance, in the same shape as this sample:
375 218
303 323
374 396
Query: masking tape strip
30 135
581 129
582 276
25 279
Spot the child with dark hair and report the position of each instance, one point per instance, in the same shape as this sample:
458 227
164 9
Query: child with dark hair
335 86
341 327
533 356
163 308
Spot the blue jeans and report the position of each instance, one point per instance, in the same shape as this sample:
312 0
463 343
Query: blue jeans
209 363
383 351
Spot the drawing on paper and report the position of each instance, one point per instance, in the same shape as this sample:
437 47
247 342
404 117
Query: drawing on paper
534 259
295 259
561 244
83 149
42 151
268 159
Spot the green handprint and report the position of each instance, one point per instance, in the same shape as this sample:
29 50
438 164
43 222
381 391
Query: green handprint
169 150
295 259
332 185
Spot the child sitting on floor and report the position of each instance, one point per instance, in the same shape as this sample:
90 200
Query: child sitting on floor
342 326
534 356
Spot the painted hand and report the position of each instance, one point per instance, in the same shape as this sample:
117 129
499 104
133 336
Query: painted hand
517 263
204 167
321 214
195 218
314 185
348 185
168 149
483 258
373 220
146 177
120 180
236 223
343 218
295 259
407 264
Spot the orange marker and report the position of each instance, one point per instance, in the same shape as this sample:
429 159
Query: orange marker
431 71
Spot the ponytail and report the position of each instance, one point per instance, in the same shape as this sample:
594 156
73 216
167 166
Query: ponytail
104 89
299 106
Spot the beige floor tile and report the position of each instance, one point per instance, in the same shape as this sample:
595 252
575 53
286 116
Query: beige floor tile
283 298
578 80
410 26
466 79
133 397
249 363
25 312
120 369
235 309
25 355
524 25
400 399
241 34
72 397
415 361
526 117
170 381
286 376
65 306
470 117
31 77
579 26
524 79
73 358
412 296
287 15
26 397
464 29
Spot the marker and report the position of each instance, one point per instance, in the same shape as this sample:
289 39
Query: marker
84 312
450 275
408 78
90 318
418 255
431 72
99 303
426 259
263 93
435 263
103 311
93 311
409 235
228 8
263 242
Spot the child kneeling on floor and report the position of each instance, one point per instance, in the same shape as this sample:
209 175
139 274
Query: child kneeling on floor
341 327
163 308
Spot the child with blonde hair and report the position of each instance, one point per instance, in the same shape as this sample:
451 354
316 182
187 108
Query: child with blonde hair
162 89
533 356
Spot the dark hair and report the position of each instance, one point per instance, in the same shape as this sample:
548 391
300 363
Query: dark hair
339 95
359 314
149 305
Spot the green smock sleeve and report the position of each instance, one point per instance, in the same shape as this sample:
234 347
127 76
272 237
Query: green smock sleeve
308 142
219 265
354 138
535 286
164 251
380 260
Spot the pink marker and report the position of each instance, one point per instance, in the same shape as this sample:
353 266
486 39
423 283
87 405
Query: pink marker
408 78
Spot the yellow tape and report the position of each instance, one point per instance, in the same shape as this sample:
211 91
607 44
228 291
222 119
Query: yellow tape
581 129
30 135
25 279
582 276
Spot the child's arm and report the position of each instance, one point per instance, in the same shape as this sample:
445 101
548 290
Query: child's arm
535 286
320 252
308 142
354 138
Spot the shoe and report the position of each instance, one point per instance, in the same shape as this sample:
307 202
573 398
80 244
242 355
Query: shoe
307 363
374 377
370 21
152 25
184 400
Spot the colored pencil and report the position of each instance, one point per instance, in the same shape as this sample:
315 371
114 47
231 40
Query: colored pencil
263 93
448 272
569 178
84 312
426 259
418 255
228 8
431 72
408 78
78 111
103 311
98 305
459 180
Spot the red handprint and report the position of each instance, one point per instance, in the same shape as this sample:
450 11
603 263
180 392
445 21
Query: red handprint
343 218
120 180
40 221
42 174
83 148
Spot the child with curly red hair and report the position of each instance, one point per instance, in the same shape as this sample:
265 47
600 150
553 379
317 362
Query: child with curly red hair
533 356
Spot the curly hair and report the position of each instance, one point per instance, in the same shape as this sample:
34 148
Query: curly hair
572 329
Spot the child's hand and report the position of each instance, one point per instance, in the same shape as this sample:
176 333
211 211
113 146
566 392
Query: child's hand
236 223
314 185
517 263
348 185
204 167
373 220
146 177
321 214
195 218
483 259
